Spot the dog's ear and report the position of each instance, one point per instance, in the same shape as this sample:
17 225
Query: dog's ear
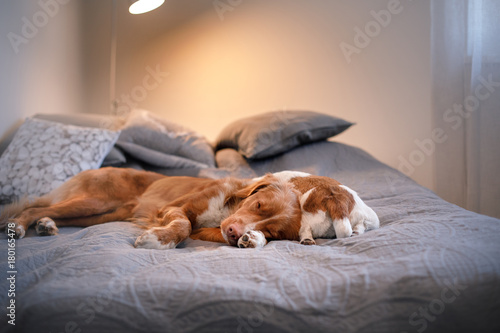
235 198
255 187
250 190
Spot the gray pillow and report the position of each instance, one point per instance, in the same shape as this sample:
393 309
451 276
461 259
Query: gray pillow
159 142
115 157
44 154
272 133
109 122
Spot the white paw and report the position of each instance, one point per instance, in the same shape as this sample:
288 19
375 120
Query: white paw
252 239
342 228
149 240
358 229
18 230
46 227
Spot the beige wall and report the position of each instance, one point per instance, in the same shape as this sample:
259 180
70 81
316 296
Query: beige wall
39 59
286 54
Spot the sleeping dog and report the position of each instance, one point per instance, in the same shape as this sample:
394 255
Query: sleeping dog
286 205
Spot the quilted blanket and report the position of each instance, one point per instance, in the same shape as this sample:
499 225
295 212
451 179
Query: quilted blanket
430 267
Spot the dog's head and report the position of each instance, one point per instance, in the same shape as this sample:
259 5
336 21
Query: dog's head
268 205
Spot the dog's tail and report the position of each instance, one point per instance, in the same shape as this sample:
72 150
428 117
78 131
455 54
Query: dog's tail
14 209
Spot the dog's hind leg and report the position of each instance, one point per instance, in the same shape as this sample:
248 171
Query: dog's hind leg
11 214
79 211
115 212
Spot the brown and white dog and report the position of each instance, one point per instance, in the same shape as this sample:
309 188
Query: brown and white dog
328 209
168 207
287 205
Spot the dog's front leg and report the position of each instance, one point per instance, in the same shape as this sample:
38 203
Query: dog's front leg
208 234
175 228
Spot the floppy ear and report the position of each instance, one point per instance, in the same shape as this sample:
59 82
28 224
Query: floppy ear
234 198
255 187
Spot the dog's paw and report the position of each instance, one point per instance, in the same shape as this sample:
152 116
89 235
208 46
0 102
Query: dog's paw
46 227
252 239
358 229
342 228
307 241
150 240
17 231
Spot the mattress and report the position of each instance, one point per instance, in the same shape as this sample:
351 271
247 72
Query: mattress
430 267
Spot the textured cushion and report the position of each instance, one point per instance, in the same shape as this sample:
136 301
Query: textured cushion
44 154
115 156
154 140
273 133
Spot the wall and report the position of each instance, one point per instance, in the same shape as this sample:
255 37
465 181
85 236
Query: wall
39 59
216 66
10 67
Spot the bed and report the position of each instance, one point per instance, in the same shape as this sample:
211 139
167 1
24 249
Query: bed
430 267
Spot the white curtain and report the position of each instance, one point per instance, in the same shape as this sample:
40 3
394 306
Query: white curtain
466 102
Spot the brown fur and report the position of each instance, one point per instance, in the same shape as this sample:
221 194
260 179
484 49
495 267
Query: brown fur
208 234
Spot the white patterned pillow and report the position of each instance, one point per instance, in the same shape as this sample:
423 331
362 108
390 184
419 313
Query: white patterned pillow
43 154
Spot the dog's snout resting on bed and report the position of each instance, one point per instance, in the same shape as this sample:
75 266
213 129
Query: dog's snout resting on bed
242 212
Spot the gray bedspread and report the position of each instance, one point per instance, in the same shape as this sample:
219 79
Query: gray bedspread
431 267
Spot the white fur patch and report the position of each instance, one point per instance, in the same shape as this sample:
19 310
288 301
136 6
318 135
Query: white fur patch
319 223
342 227
20 232
252 239
215 213
285 176
148 240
